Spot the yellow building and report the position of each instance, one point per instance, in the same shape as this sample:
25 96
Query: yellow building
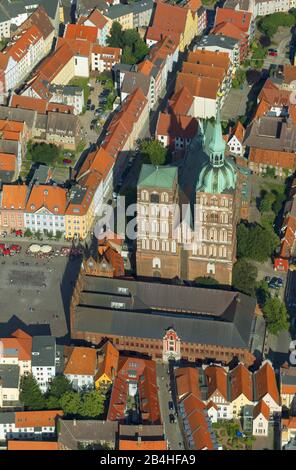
108 367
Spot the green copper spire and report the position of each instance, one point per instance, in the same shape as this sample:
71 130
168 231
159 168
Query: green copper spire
218 175
217 144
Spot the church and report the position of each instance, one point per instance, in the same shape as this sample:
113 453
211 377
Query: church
209 182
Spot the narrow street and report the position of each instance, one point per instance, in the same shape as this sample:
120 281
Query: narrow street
171 429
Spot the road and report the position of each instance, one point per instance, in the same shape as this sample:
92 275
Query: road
172 430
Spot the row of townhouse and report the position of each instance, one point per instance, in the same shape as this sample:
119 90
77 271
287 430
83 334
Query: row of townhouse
151 75
31 42
72 212
14 14
180 23
229 394
129 16
77 54
288 397
59 128
207 75
13 140
261 7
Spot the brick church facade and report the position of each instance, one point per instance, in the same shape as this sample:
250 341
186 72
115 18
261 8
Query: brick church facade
211 251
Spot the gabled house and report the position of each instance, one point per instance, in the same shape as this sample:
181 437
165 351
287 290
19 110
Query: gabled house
265 387
261 414
236 140
80 366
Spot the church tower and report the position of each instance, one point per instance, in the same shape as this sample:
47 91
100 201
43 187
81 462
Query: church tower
214 249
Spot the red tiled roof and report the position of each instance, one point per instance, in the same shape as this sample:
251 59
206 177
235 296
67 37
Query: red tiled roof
115 52
97 19
261 408
20 341
32 445
7 162
142 445
212 58
216 380
187 381
176 126
80 361
20 45
241 382
205 87
81 32
273 158
181 101
40 105
168 17
100 161
241 19
34 419
230 30
14 196
52 198
265 383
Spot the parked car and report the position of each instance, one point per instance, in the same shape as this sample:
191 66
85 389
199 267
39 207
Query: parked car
275 283
92 108
172 418
171 405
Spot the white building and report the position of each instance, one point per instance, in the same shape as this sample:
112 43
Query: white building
17 350
235 142
260 419
34 425
80 367
20 57
46 360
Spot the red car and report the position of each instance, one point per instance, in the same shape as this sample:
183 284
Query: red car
15 248
18 233
6 252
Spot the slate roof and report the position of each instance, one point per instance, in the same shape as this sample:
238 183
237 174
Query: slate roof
9 375
45 346
72 432
199 315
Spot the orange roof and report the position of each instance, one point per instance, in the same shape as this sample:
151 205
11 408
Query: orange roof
32 445
288 389
239 131
145 67
155 33
216 380
82 32
212 58
34 419
80 361
241 382
169 17
239 18
110 362
79 47
261 408
7 162
197 422
40 105
230 30
290 422
265 383
11 126
193 5
176 126
205 87
53 198
289 73
14 196
181 101
97 19
53 65
21 342
106 52
142 445
20 47
100 161
273 158
211 404
202 70
187 380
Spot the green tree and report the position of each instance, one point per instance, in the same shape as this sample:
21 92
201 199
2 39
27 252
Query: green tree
45 153
127 56
30 393
266 202
115 39
276 316
70 403
153 152
59 385
92 404
262 293
52 403
28 233
255 242
244 277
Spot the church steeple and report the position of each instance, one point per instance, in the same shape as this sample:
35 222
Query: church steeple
217 144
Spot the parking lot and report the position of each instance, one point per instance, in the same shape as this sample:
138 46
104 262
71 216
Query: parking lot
36 291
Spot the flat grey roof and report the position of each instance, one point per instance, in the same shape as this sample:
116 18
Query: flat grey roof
9 375
43 351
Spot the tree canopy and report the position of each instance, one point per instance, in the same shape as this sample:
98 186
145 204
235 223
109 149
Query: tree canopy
153 152
91 404
244 276
134 49
269 24
276 315
30 393
255 242
206 281
43 153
